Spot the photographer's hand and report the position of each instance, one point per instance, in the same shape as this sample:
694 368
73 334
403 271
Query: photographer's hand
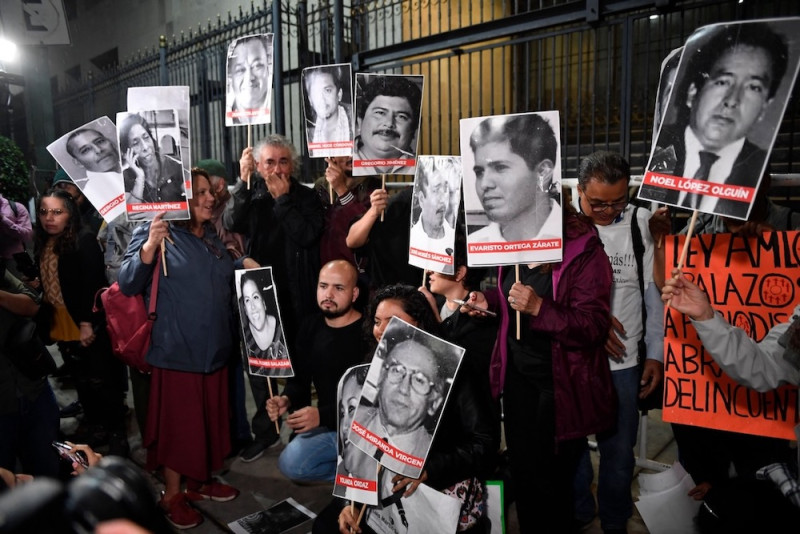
119 526
91 457
11 480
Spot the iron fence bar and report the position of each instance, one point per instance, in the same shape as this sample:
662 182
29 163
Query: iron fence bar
278 117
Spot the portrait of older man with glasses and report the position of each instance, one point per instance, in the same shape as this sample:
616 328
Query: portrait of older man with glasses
415 375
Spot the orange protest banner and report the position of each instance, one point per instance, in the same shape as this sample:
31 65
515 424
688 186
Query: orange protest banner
754 283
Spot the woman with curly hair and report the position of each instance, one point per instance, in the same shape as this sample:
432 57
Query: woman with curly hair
464 449
72 270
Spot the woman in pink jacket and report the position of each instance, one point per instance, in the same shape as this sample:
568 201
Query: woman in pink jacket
555 381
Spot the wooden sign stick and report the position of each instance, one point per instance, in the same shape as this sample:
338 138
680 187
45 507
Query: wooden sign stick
164 256
383 186
361 513
516 273
269 385
685 250
364 506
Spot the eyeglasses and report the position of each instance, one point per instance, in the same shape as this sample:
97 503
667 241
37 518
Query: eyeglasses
54 211
602 207
396 373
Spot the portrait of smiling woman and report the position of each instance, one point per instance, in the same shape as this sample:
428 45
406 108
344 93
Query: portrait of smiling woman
249 73
261 327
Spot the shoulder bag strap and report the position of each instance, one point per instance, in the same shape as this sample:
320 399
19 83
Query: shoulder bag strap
638 253
151 312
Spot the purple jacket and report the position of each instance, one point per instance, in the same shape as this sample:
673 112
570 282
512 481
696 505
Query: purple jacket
15 228
577 318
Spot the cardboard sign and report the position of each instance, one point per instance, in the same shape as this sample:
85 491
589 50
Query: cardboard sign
754 283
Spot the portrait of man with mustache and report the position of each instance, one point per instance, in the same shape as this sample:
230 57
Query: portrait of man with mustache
388 108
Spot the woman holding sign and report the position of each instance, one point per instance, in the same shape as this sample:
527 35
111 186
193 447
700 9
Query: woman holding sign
464 448
187 421
553 371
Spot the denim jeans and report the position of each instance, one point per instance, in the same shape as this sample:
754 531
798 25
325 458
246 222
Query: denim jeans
310 456
28 435
617 461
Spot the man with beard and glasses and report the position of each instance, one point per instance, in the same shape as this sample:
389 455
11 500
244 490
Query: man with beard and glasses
328 343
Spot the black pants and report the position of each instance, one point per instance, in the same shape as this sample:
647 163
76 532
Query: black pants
542 471
745 505
100 381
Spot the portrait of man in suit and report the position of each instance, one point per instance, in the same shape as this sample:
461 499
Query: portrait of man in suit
727 81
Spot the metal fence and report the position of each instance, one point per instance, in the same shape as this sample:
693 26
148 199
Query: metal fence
597 63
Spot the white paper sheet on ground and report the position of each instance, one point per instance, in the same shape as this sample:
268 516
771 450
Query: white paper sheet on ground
657 482
664 502
426 511
281 517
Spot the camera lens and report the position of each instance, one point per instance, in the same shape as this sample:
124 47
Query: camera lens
113 489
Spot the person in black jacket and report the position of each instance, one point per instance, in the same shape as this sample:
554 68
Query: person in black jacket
476 335
28 409
282 220
72 270
465 446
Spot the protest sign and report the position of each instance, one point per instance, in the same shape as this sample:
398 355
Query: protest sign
753 283
262 329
